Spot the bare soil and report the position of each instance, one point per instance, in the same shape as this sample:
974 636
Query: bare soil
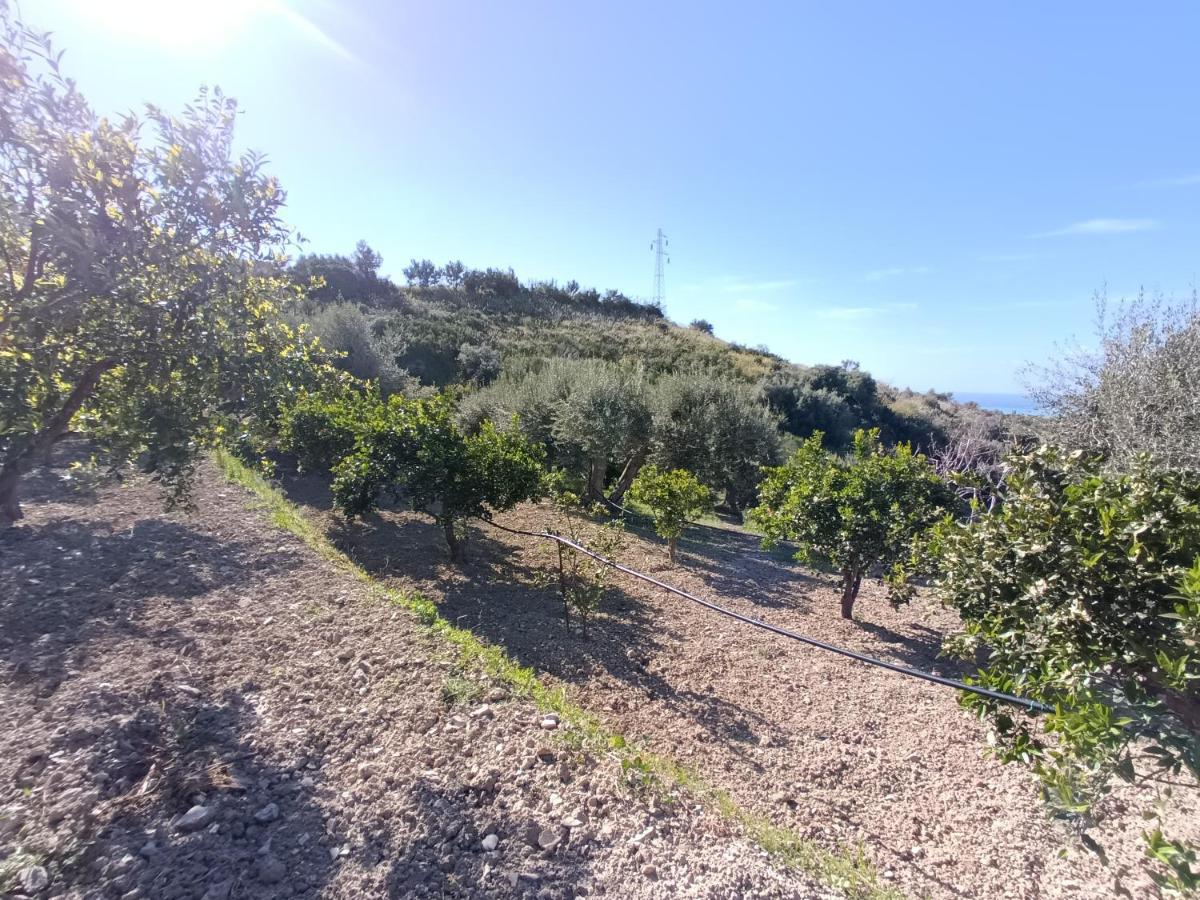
196 705
842 752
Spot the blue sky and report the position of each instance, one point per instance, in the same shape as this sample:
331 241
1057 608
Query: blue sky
935 189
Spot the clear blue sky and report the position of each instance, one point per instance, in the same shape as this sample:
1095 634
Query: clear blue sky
935 189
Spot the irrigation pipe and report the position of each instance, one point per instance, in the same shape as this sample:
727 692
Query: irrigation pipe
1030 705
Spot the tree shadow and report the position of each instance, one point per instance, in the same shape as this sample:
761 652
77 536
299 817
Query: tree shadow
67 585
920 649
513 603
130 776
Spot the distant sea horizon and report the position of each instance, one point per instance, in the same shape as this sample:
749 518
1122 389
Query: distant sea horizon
1005 403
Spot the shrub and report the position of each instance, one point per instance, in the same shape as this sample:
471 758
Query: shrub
701 325
1138 393
1083 589
674 497
364 348
415 446
858 514
479 363
322 429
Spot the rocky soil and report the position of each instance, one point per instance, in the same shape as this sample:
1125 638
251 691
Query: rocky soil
198 706
841 752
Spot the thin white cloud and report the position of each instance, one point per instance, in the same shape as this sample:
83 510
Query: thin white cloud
1007 257
896 272
733 285
753 305
1180 181
1102 226
863 312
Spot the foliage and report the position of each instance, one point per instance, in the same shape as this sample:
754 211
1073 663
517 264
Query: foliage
139 295
1138 393
479 363
361 349
321 429
701 325
717 429
1083 588
581 579
415 445
674 497
859 513
333 278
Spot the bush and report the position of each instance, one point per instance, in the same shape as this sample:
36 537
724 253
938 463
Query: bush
1083 589
363 350
1138 393
415 446
858 514
322 429
674 498
479 364
702 325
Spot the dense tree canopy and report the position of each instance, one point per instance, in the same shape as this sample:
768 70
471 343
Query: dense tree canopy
858 514
137 286
415 447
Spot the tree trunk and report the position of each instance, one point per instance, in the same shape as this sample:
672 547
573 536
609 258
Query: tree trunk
596 472
562 586
632 466
39 448
851 581
671 545
452 541
10 506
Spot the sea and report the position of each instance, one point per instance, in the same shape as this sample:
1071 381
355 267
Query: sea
1006 403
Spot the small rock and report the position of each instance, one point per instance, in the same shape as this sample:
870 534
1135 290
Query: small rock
219 890
491 842
496 694
366 770
548 839
532 834
650 871
194 819
268 813
34 879
550 722
271 870
188 689
149 850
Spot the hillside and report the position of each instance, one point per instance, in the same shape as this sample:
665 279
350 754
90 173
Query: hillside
435 328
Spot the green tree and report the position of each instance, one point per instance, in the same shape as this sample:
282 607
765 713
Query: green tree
416 447
139 298
859 513
1083 589
674 497
422 273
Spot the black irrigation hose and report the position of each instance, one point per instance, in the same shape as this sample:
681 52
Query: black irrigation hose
1030 705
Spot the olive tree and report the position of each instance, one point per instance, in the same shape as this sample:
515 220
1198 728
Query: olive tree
138 291
674 498
859 513
1082 590
415 446
1137 392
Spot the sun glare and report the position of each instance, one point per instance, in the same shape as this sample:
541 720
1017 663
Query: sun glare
188 25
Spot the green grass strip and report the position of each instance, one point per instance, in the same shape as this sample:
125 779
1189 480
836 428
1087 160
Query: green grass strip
848 870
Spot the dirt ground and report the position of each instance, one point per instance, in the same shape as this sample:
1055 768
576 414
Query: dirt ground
840 751
196 705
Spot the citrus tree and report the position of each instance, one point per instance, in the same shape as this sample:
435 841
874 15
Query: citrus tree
674 496
1083 590
416 448
858 513
139 294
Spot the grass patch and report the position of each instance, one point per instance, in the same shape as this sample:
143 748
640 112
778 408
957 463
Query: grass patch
848 870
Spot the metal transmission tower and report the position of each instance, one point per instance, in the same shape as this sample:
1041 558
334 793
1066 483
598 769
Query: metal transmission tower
659 246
